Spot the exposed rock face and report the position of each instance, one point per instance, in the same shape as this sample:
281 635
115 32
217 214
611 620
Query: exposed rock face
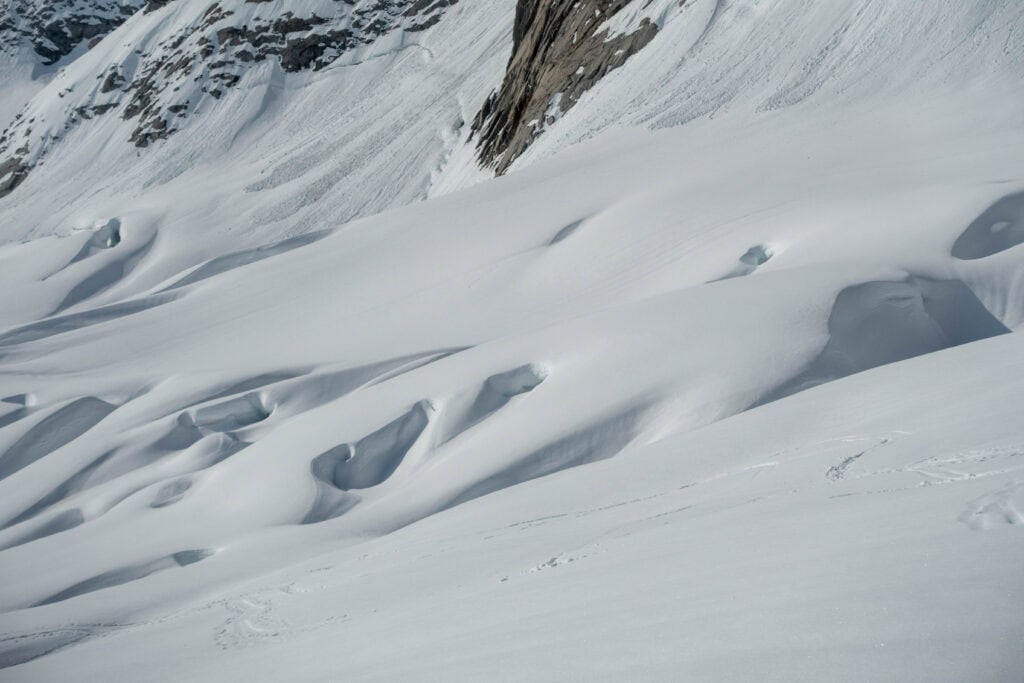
12 172
56 27
202 56
216 48
561 48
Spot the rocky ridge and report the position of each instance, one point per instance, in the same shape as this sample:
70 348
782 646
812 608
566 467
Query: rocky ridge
561 49
205 56
198 51
55 29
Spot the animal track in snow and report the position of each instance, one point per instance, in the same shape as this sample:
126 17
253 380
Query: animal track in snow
251 619
838 471
249 623
1005 506
972 464
559 560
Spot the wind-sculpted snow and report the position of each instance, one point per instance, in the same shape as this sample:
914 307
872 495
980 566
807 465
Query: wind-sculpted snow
126 574
998 228
55 430
876 323
694 402
471 407
229 261
375 457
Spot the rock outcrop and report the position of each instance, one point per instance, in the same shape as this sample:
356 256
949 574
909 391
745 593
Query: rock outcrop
561 49
55 28
200 57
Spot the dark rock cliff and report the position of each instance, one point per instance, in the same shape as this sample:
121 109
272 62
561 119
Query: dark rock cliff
55 28
560 50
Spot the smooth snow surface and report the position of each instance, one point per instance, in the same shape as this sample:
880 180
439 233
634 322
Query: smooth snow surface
722 382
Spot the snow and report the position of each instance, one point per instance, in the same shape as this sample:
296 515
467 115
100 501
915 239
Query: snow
18 86
721 383
658 12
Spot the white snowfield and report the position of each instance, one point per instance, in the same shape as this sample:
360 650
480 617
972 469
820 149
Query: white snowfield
720 383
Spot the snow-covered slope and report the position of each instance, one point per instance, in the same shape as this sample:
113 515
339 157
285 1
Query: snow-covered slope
37 37
55 29
719 382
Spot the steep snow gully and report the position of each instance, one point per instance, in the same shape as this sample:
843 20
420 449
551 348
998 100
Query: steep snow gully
602 340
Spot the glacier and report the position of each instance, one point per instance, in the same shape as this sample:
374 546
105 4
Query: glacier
720 381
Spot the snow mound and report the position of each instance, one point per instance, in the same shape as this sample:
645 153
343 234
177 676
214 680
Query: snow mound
878 323
123 575
470 408
54 431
